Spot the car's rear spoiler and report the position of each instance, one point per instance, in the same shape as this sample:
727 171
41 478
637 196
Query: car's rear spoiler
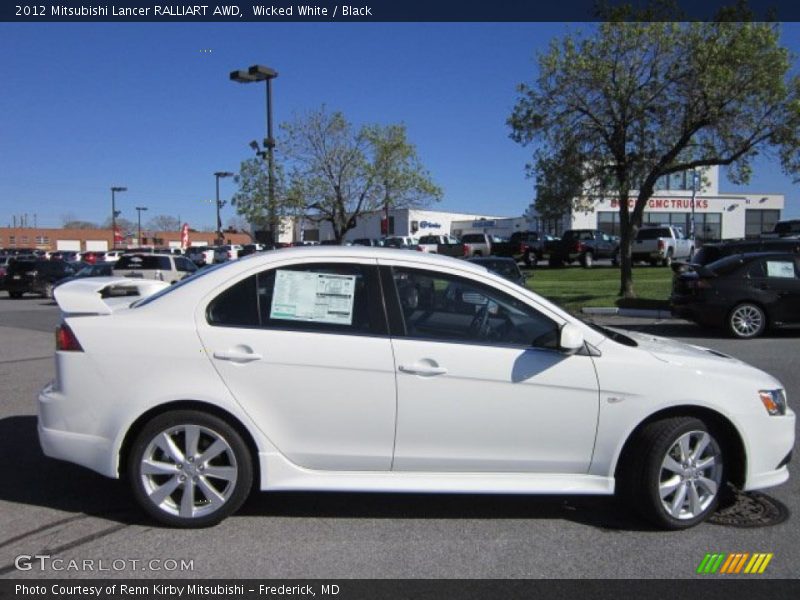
103 295
684 267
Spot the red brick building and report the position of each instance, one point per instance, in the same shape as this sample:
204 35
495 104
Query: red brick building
101 239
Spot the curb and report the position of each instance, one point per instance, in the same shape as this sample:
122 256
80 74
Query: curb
628 312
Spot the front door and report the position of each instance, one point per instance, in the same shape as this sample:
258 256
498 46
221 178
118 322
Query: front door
481 383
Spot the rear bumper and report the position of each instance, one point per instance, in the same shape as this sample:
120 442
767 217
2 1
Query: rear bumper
90 451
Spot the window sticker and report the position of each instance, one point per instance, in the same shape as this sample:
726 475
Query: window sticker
783 269
315 297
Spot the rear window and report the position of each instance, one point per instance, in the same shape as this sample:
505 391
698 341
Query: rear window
429 239
139 262
727 265
21 266
473 238
707 254
652 234
787 227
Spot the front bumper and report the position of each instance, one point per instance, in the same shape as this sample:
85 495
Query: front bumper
770 442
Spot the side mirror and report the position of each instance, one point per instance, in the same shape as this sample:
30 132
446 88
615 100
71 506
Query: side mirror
570 339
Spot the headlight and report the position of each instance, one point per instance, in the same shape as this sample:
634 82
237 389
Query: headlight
774 401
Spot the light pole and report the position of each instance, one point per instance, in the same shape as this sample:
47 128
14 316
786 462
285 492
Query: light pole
114 213
220 204
139 210
262 73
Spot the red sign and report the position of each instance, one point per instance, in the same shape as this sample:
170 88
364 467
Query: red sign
185 236
667 203
117 236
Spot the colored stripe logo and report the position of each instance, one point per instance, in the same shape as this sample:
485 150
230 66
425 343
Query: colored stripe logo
734 563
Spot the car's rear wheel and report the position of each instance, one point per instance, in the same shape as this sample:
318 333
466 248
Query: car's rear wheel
189 469
15 295
673 474
747 320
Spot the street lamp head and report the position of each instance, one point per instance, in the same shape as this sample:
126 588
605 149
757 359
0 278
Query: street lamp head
241 76
119 189
141 208
223 174
261 73
254 146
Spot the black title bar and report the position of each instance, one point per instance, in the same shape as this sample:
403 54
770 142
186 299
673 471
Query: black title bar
359 11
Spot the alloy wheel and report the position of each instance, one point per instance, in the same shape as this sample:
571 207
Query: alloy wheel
747 320
691 475
189 471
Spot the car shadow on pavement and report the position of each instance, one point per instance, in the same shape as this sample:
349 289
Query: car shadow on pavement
34 479
601 512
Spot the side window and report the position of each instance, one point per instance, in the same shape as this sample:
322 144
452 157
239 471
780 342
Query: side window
780 269
237 306
183 264
448 308
325 298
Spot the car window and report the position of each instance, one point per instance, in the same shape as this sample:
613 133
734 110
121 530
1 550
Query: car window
473 238
652 233
324 298
144 261
447 308
778 268
184 264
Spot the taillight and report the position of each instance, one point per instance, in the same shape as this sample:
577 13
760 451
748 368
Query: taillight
661 244
420 249
465 250
66 340
578 247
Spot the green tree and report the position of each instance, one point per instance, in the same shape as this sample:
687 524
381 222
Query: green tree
339 172
634 101
251 200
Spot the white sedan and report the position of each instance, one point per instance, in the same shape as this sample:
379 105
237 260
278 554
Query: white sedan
371 369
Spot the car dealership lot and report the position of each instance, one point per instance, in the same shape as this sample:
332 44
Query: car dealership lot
57 509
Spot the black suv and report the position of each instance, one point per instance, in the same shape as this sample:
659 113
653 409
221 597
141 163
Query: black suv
36 276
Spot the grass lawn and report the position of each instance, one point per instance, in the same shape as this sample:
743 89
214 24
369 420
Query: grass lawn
575 287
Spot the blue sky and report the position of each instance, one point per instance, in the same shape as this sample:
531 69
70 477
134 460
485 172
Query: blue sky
87 106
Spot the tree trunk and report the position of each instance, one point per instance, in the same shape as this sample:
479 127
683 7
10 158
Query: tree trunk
626 240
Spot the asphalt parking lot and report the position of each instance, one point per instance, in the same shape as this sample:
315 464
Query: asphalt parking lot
58 509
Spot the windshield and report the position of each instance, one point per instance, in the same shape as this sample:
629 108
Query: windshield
191 278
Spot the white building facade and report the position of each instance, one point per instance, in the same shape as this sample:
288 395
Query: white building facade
402 221
718 215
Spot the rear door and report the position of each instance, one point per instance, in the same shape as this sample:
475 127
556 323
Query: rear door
305 350
780 281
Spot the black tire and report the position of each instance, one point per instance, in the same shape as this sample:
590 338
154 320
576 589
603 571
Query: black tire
526 259
642 473
746 321
235 460
587 260
15 295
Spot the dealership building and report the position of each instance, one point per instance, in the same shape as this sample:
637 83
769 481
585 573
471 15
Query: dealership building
718 215
403 222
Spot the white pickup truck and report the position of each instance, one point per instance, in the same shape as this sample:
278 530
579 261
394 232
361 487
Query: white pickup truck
662 244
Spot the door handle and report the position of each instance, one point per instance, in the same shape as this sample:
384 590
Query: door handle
422 369
237 356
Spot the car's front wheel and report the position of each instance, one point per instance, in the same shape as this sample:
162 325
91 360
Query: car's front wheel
673 475
189 469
